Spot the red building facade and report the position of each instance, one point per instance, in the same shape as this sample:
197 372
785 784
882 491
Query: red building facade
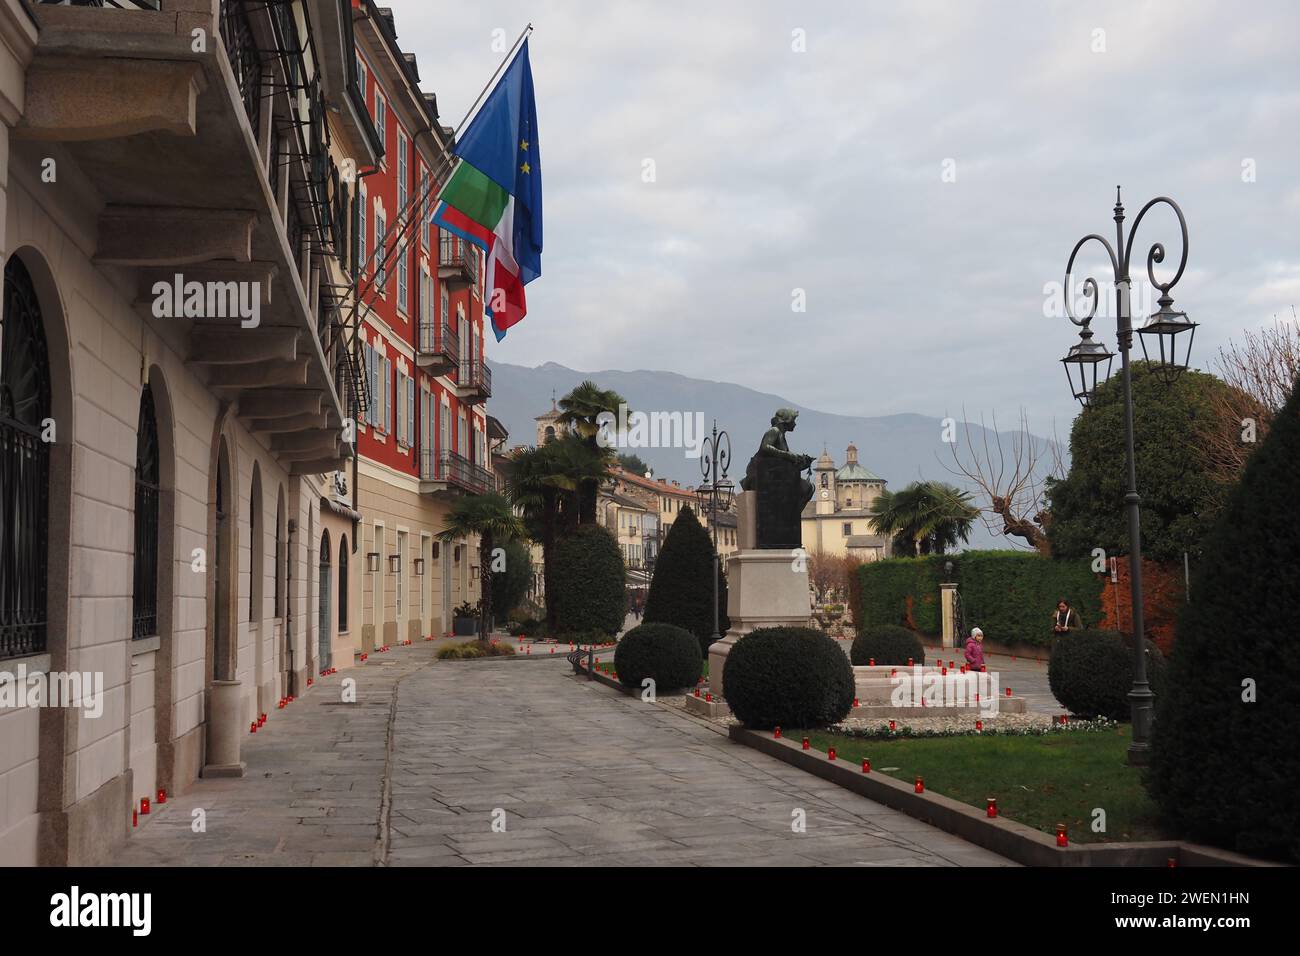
422 440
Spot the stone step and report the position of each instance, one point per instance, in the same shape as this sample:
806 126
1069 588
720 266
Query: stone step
1006 705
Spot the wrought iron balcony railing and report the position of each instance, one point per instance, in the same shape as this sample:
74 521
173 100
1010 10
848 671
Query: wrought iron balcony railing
475 377
245 57
457 261
455 470
438 338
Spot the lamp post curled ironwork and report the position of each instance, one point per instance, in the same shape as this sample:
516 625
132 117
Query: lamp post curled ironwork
718 491
1083 366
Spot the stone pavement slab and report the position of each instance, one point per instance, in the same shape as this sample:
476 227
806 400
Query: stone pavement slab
577 774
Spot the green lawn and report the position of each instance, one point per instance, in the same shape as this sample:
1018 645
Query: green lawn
1038 780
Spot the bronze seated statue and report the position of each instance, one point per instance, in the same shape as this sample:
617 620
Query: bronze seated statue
774 474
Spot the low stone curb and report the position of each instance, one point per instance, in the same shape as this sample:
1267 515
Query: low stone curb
1013 840
607 681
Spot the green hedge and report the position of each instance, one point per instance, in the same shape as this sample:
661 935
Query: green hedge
886 587
1010 595
587 582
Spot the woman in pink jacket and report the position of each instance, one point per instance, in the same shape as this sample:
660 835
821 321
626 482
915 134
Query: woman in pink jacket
975 652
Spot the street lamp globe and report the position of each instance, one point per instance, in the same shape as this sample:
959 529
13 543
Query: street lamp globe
1162 330
1083 366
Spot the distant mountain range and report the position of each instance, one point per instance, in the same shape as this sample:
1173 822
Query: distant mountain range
899 448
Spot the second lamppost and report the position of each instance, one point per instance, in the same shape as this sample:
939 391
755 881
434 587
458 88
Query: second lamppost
716 491
1087 365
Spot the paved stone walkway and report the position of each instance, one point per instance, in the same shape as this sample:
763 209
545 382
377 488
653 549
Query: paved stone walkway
578 774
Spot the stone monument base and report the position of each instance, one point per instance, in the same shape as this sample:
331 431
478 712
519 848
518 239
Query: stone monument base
765 588
706 708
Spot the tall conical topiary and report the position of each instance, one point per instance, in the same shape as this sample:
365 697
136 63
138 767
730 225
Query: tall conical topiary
1226 768
681 592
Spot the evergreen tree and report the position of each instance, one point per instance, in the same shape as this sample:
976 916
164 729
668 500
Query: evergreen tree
681 592
1225 768
1173 426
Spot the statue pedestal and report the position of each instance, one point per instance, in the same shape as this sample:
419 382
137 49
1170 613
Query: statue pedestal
765 588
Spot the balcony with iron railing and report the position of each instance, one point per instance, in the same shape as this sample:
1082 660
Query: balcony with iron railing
474 381
439 351
448 471
186 154
457 262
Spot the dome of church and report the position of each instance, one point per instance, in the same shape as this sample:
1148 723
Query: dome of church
852 470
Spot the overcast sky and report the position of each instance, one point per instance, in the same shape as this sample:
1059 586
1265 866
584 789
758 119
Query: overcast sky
823 170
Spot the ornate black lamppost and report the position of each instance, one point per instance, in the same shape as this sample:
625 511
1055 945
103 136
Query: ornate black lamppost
716 491
1084 366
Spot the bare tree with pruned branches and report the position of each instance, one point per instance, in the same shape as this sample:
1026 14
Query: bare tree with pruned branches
1011 477
1261 371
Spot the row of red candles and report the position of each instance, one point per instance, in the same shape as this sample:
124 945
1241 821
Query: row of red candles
991 805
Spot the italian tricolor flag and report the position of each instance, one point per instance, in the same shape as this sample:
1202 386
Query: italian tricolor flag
494 196
479 211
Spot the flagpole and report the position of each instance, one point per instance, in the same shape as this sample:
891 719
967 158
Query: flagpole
422 195
505 62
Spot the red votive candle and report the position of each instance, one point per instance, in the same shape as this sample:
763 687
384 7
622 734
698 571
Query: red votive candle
805 743
866 765
993 806
920 785
1061 838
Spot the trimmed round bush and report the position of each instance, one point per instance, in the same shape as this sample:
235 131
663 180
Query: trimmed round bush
587 582
668 655
886 644
1091 673
788 677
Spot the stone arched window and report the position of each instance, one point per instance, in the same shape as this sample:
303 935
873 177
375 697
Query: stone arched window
24 466
144 601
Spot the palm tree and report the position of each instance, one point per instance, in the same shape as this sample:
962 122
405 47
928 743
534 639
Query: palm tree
926 517
578 469
580 411
491 518
545 484
534 487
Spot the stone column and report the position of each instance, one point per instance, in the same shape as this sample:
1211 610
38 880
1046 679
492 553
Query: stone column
225 730
948 605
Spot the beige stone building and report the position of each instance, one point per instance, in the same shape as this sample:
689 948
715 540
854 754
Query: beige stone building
837 520
164 441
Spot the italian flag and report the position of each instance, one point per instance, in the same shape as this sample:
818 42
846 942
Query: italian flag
478 210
